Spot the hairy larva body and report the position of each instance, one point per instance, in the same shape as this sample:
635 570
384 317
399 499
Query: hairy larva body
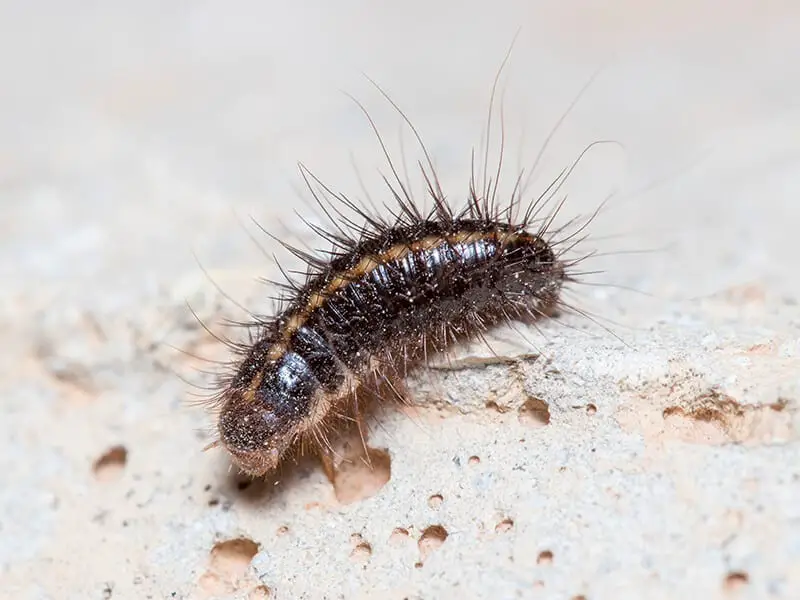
404 292
391 291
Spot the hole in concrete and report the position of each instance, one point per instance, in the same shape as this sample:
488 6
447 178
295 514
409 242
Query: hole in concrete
260 592
228 563
435 501
399 535
504 525
361 550
474 460
361 553
231 558
534 413
591 409
282 530
360 477
111 464
736 580
431 539
545 557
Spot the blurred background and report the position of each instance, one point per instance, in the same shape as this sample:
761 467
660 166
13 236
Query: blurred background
133 134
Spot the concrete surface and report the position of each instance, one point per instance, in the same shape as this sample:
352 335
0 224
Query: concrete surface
136 136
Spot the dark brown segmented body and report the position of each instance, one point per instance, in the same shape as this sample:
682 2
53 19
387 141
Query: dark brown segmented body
402 293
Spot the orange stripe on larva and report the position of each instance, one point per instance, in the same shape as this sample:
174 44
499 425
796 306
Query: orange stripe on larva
369 263
365 266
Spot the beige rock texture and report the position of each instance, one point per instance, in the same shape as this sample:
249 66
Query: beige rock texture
648 449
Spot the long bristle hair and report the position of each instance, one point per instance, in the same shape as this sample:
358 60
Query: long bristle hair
350 226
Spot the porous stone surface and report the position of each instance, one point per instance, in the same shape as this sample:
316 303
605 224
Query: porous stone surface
647 449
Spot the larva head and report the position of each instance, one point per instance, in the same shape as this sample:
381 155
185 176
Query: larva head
253 434
259 424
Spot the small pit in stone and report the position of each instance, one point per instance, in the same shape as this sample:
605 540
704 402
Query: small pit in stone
534 413
399 535
111 464
735 580
435 501
362 550
361 553
360 476
504 525
474 460
260 592
232 557
228 565
545 558
431 539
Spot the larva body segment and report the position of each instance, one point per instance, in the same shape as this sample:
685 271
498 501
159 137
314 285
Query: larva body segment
399 293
